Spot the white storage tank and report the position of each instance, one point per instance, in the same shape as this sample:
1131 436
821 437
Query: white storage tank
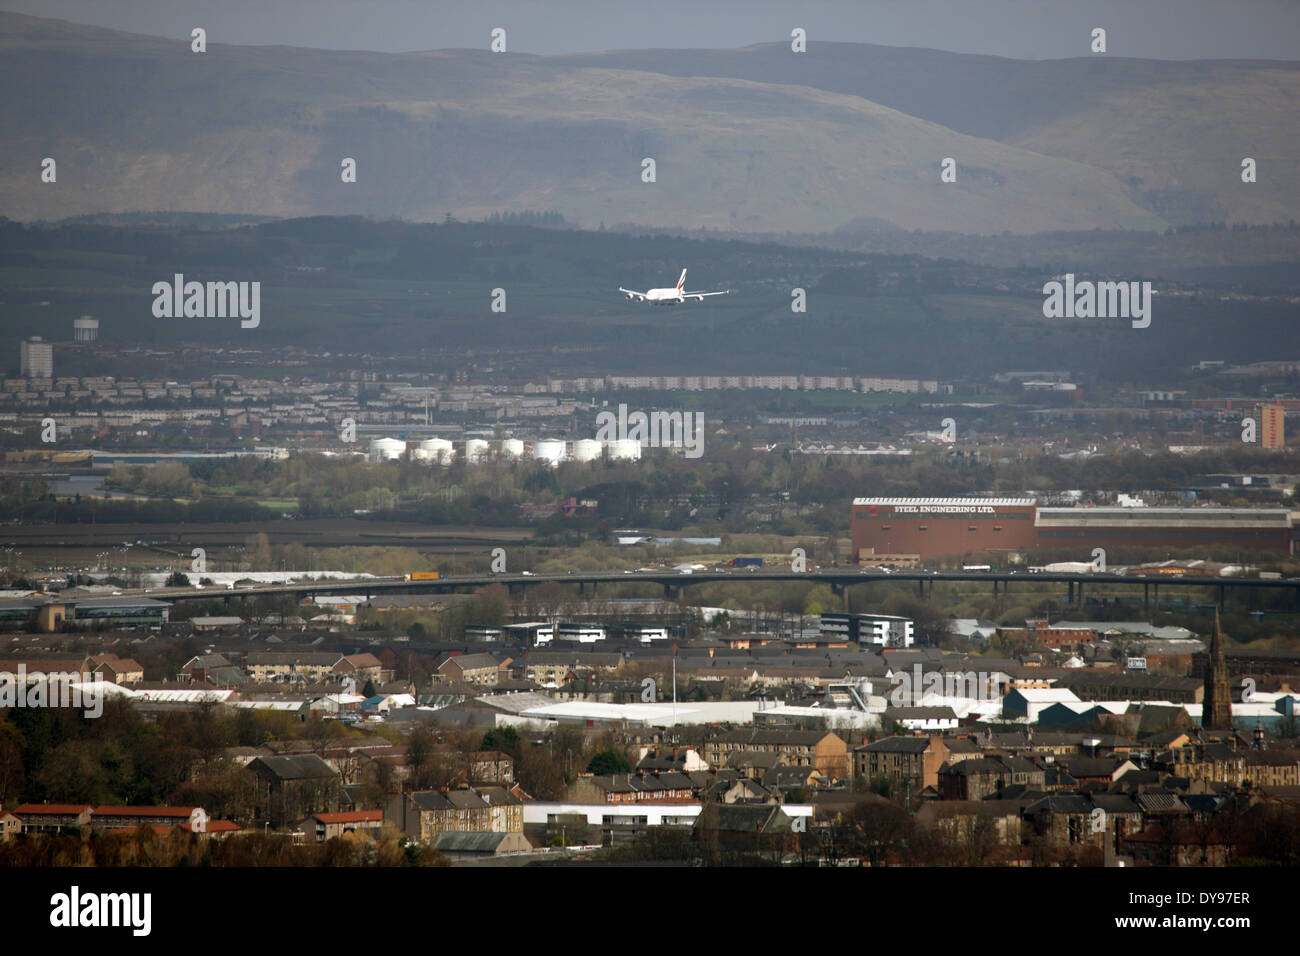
85 329
512 448
386 449
587 449
549 451
437 450
625 449
476 449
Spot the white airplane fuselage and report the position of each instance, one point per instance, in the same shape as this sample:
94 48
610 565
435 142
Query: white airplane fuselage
664 296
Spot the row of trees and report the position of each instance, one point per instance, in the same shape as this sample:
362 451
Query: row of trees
715 487
58 755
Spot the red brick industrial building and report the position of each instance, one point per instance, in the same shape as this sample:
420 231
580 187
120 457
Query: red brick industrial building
934 527
942 526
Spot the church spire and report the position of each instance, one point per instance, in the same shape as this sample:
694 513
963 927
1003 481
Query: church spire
1216 706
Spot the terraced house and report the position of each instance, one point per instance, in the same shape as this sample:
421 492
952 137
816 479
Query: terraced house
1272 768
900 759
362 667
823 750
967 821
984 777
482 670
1213 761
423 814
129 818
52 817
553 668
110 667
670 786
290 666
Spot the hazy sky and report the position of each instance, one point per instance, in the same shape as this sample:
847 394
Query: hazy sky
1030 29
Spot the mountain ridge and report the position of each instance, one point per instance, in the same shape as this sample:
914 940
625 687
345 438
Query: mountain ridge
139 122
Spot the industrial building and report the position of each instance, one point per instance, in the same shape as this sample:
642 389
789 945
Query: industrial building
934 527
941 526
1252 529
44 613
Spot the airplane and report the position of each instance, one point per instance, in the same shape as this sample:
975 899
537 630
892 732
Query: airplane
669 296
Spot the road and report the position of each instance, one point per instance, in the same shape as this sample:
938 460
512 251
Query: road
673 581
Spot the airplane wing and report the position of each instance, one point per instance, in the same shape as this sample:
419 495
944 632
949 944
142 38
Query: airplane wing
632 295
700 295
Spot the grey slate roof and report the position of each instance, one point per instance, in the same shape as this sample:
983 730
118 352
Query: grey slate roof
1062 803
748 818
295 767
910 745
447 800
468 841
1115 802
1160 803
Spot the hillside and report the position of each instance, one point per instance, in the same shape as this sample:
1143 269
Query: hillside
1174 132
755 140
419 294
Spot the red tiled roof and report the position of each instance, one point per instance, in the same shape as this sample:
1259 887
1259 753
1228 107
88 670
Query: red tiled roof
215 826
350 816
47 808
115 662
142 812
222 826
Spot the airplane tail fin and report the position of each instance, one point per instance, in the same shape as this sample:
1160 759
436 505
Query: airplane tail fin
681 281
